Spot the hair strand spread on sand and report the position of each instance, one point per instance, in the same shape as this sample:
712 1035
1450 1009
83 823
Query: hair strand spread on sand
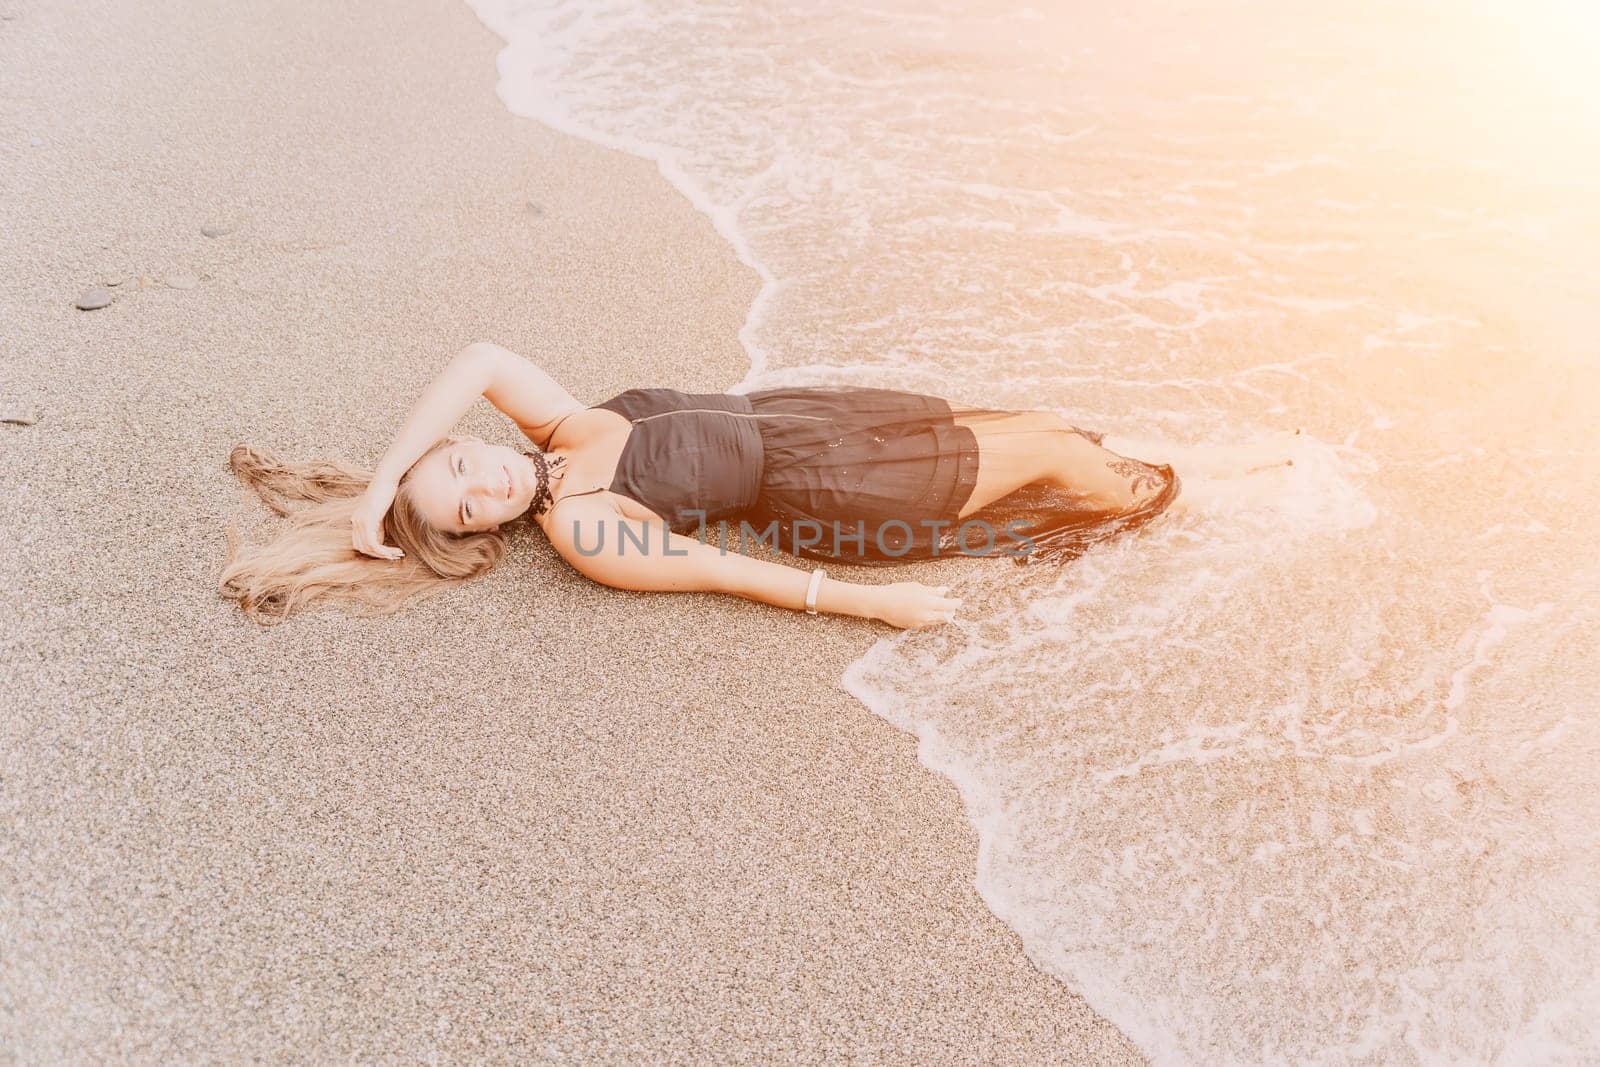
313 558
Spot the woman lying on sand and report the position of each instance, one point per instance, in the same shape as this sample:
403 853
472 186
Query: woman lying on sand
641 491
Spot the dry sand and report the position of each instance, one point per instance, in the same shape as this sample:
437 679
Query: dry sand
533 819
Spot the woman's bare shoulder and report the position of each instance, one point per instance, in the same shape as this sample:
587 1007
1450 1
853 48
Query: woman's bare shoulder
579 511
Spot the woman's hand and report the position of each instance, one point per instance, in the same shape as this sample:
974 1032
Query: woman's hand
909 604
366 522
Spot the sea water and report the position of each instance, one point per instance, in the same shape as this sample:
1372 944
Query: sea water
1309 772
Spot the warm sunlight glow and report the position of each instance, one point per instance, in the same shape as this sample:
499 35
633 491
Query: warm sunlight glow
1541 58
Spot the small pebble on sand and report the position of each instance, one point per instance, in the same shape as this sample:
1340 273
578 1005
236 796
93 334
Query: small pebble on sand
18 417
182 281
535 210
113 279
94 298
215 230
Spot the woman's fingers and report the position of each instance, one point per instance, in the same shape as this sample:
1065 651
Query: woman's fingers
945 607
369 543
383 551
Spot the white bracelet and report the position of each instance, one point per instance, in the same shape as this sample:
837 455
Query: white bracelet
811 591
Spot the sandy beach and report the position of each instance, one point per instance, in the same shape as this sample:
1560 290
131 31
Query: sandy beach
534 819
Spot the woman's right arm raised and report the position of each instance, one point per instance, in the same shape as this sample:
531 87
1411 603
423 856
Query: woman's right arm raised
603 545
478 369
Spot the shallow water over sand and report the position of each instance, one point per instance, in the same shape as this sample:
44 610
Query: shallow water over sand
1311 774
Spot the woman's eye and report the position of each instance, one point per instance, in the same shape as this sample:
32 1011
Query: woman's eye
461 466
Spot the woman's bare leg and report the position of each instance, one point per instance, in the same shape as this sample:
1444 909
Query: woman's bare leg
1009 456
1038 446
1041 446
1278 449
1224 477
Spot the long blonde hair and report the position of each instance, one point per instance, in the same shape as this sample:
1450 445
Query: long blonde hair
313 558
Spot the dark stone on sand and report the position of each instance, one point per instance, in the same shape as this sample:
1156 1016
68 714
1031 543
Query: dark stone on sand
535 210
216 231
18 417
94 298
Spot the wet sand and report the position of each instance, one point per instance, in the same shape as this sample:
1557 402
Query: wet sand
531 819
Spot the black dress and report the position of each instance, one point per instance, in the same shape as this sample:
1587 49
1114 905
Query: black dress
850 474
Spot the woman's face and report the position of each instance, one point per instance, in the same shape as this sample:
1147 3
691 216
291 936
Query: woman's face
469 485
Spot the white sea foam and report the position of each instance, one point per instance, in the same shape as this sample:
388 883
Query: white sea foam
1308 772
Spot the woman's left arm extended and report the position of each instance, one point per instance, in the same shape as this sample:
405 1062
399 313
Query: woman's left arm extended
663 560
529 396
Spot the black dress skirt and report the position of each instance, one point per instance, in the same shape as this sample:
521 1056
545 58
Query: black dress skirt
862 475
853 474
